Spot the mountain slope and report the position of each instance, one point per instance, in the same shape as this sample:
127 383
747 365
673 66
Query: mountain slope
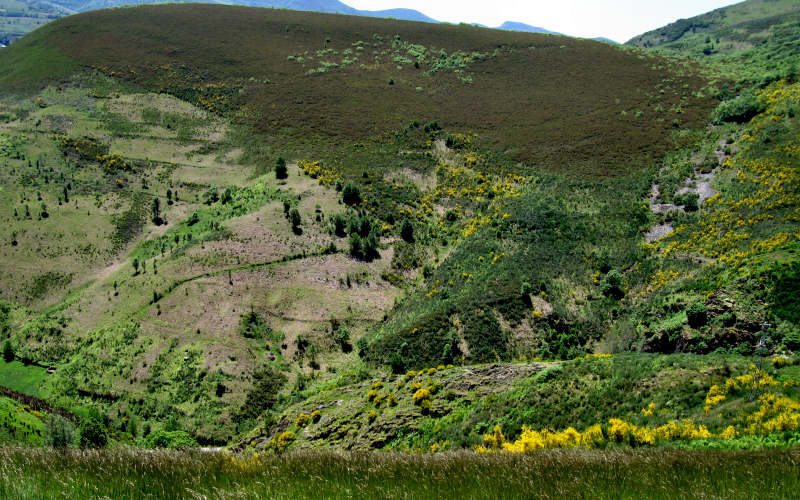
159 266
223 232
391 90
19 18
739 17
752 40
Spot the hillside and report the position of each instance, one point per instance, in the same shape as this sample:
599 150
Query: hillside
18 18
750 39
222 217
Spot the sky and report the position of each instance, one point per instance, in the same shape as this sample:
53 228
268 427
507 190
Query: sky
619 20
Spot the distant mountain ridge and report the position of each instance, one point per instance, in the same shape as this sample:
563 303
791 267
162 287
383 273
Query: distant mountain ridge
59 8
328 6
515 26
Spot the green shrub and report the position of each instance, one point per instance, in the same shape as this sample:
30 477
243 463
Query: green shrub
339 225
612 284
407 231
92 434
8 352
697 314
739 110
266 384
173 440
58 432
351 194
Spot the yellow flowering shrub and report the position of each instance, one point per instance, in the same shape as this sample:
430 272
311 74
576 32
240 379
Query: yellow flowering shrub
421 395
302 420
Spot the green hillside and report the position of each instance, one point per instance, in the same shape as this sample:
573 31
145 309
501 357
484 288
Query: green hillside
18 18
755 39
221 218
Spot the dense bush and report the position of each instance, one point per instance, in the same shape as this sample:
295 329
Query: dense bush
739 110
407 231
92 434
58 432
8 352
266 384
485 336
612 284
351 195
697 314
173 440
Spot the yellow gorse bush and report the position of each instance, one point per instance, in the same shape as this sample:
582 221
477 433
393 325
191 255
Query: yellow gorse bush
616 431
316 170
733 225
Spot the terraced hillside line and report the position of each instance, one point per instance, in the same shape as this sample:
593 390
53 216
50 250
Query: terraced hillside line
37 404
235 269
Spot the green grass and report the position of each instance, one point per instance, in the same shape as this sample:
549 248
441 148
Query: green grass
44 474
27 379
18 425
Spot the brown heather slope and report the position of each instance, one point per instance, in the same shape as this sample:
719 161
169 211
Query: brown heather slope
567 105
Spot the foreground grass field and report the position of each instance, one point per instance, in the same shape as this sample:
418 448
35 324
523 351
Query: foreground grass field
27 473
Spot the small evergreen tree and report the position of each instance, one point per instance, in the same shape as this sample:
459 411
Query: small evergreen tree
407 231
351 195
281 172
8 352
156 208
294 218
339 225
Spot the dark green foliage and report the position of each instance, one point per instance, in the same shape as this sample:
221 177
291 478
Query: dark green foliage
690 201
253 326
92 433
351 194
785 295
339 225
172 440
697 314
739 110
281 172
612 284
155 208
58 432
294 218
8 352
485 337
267 382
341 336
407 231
420 345
354 245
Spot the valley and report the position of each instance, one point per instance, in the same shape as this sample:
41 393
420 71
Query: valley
313 235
